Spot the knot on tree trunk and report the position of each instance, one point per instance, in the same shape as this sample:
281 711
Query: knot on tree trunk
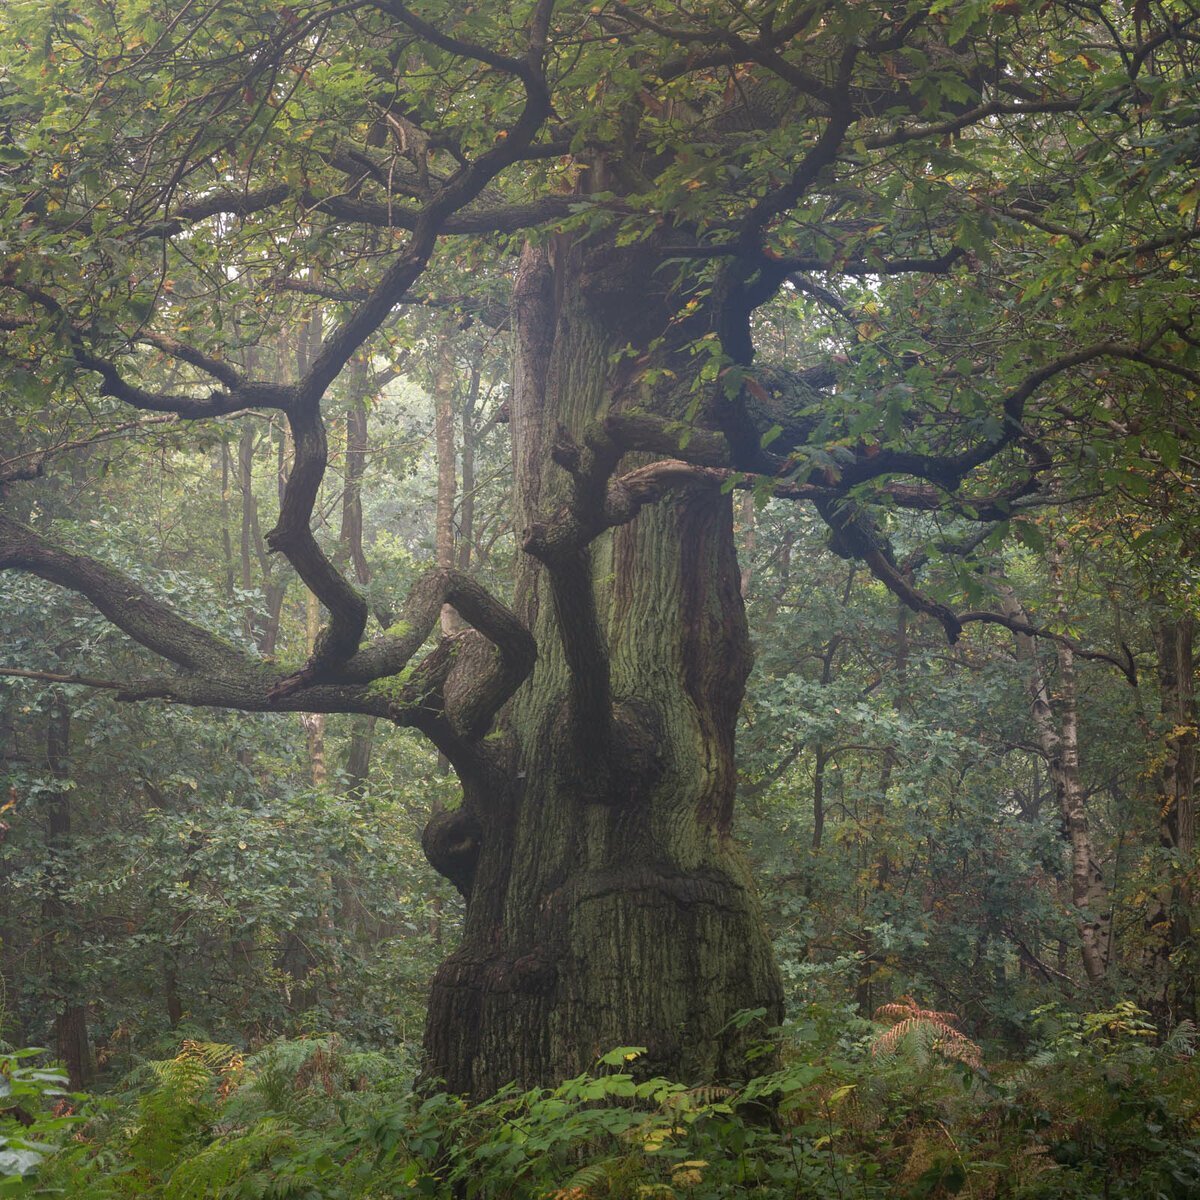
637 750
451 842
618 765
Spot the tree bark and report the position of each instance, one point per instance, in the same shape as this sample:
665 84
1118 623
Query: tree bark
606 902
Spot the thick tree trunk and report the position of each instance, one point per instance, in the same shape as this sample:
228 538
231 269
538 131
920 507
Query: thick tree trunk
607 904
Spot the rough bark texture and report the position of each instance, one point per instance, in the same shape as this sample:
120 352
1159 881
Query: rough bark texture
607 904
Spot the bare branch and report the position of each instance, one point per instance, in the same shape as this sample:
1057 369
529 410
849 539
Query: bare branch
225 203
465 186
124 602
949 470
241 394
214 673
517 67
33 463
862 267
856 535
293 537
218 368
471 702
1125 665
972 116
56 677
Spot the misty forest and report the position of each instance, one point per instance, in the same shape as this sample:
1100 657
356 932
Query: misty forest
598 599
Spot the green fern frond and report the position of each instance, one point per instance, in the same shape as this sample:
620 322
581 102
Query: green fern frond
588 1179
702 1096
1181 1041
234 1160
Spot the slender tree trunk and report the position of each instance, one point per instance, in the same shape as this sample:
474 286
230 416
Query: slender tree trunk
350 545
1174 641
820 762
226 540
823 753
70 1021
470 433
350 538
264 628
444 550
607 904
447 475
1059 742
314 723
749 533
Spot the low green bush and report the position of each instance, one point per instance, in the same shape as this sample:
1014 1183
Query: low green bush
1102 1109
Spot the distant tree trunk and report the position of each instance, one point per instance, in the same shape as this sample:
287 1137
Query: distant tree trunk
226 540
606 902
314 723
881 869
470 434
171 996
748 541
350 546
350 538
447 475
444 548
264 627
1059 742
823 752
70 1021
820 762
1174 641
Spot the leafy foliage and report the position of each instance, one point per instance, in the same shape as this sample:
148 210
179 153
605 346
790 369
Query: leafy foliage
35 1112
1096 1111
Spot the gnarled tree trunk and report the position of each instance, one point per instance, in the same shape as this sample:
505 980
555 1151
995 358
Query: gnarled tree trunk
606 902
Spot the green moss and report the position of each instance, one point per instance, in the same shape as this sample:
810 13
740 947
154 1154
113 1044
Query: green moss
391 687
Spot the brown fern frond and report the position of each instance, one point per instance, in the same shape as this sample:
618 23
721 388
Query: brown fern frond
906 1007
938 1029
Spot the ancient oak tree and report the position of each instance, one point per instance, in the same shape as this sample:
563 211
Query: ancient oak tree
181 183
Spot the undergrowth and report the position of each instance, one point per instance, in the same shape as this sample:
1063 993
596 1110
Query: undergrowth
1103 1108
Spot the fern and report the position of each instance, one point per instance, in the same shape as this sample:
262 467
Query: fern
230 1161
933 1032
1181 1041
701 1097
589 1181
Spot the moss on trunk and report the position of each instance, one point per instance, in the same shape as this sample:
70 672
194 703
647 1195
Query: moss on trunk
607 902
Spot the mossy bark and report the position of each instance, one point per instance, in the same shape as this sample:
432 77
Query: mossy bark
607 902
